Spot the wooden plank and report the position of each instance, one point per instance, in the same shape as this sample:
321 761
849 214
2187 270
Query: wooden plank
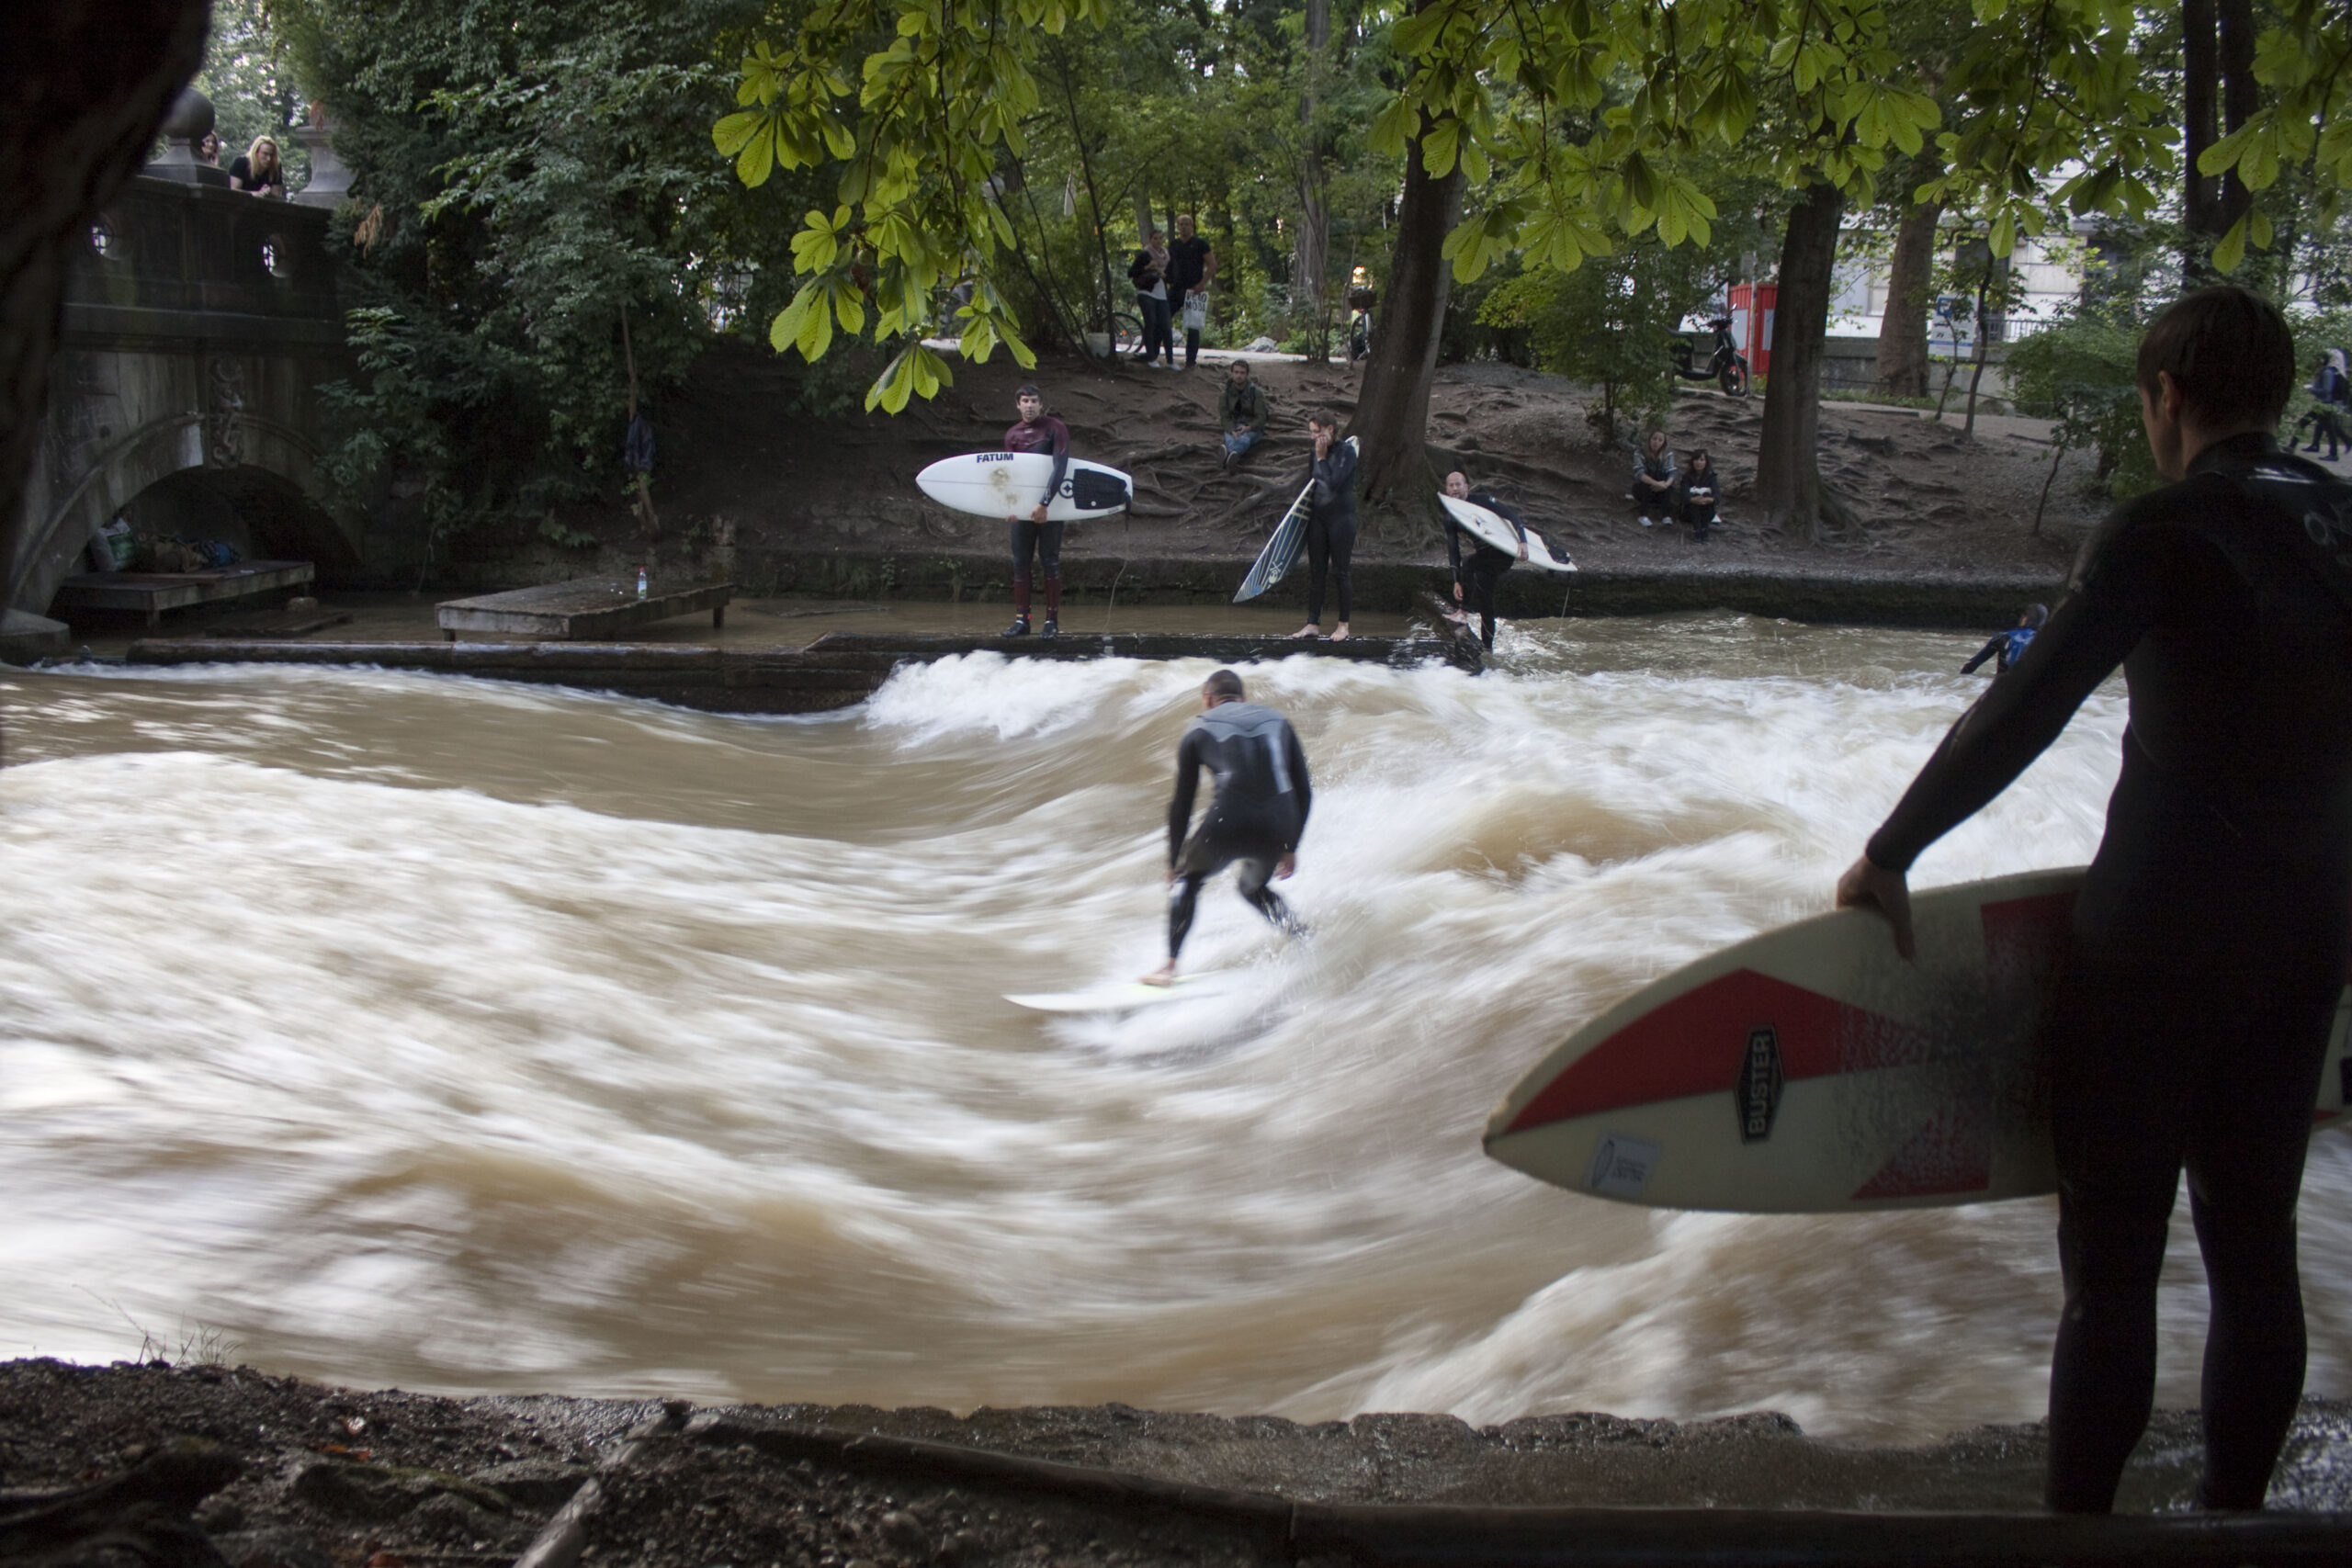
152 592
582 608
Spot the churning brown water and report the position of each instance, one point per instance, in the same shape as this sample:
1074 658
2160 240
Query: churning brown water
408 1030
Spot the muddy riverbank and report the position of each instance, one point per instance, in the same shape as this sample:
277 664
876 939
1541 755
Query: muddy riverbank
331 1477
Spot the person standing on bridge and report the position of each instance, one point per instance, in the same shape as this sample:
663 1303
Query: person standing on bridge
2206 954
259 170
1037 430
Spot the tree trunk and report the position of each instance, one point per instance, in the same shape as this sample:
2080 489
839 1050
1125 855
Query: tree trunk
1393 406
1788 466
2239 98
1903 330
87 85
1310 258
2200 78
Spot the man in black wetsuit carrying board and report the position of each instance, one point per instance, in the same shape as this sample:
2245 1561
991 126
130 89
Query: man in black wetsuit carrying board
1038 432
1254 820
2208 947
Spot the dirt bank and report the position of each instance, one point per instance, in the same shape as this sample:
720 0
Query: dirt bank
741 471
332 1478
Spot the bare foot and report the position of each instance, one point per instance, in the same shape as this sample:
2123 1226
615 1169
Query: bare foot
1309 629
1340 635
1163 976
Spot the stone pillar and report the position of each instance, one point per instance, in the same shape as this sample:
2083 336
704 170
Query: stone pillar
330 184
188 123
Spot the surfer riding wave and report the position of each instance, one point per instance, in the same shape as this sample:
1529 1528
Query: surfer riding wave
1255 819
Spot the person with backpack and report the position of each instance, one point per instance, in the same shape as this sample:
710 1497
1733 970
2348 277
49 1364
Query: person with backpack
2333 387
2006 648
1148 272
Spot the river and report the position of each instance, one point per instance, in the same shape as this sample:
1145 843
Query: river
398 1029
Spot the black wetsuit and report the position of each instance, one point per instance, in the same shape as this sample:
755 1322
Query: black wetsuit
1255 819
2208 940
1478 576
1331 529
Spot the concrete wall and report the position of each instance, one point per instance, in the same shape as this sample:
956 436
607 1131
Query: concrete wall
197 327
1850 365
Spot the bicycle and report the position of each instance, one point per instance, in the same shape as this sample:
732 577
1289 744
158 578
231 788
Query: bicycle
1126 335
1727 368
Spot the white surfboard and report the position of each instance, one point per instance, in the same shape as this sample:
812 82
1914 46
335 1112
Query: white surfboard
1008 484
1126 995
1488 528
1810 1069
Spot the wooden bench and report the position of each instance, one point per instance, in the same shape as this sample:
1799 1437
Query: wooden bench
588 607
152 592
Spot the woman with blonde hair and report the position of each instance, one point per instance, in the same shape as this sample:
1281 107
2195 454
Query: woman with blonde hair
259 170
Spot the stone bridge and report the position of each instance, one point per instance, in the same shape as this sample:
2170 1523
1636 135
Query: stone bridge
199 326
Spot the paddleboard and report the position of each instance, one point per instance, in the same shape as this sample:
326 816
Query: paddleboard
1126 995
1006 484
1282 551
1489 528
1811 1070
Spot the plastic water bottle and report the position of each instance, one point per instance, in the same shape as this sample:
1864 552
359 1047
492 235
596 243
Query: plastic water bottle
640 582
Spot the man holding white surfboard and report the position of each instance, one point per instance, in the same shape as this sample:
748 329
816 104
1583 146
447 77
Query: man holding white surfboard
2207 949
1486 564
1037 430
1255 819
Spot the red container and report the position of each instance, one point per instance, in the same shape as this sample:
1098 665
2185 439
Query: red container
1752 307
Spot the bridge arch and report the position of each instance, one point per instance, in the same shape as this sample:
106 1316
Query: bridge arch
197 333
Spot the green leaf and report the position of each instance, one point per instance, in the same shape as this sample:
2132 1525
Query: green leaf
2230 248
1394 126
1438 143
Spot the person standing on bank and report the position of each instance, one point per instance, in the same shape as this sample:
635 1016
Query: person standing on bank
2206 953
1148 272
1240 412
1486 564
1038 432
1192 267
1255 819
1330 522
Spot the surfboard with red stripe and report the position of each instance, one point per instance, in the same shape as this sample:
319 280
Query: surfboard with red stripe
1810 1069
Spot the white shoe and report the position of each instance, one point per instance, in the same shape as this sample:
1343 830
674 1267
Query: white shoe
1646 523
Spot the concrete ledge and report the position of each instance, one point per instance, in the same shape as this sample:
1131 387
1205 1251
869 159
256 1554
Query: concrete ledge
24 637
1947 601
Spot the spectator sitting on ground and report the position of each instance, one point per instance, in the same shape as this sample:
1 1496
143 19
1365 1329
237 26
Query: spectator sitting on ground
1653 488
259 171
2005 648
1694 496
1240 412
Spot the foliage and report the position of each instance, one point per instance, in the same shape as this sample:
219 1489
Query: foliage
253 93
2081 374
522 174
1612 321
2305 61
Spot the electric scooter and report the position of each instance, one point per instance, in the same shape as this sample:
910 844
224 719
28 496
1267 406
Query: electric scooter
1726 367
